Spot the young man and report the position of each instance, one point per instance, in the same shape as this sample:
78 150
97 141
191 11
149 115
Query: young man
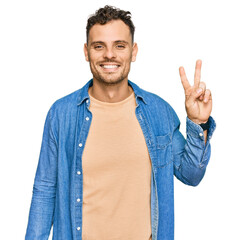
110 150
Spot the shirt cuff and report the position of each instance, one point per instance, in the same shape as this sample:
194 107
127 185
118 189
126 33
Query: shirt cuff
196 131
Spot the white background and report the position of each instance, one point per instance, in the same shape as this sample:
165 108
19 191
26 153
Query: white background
41 60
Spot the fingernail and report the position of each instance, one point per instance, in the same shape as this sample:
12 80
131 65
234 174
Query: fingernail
199 90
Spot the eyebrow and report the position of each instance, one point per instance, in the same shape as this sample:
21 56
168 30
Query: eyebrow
96 42
121 41
117 41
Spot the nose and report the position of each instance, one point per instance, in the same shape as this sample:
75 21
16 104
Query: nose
109 53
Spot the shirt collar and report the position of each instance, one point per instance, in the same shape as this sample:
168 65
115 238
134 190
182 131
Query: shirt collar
85 95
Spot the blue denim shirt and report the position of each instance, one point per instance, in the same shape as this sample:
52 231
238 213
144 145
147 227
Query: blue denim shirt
58 185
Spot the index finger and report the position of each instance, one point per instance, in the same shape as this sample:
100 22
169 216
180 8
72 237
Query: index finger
184 80
197 75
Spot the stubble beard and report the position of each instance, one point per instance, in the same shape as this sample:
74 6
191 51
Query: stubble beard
109 80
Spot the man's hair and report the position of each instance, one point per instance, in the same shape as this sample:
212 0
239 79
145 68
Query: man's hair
107 14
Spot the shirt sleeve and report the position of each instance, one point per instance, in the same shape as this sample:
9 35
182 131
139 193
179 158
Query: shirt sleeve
191 155
44 189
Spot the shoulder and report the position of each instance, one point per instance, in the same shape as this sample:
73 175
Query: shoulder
65 105
154 100
70 99
158 106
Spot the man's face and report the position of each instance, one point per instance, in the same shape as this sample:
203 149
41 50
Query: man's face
110 52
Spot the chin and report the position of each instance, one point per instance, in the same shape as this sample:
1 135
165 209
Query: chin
110 81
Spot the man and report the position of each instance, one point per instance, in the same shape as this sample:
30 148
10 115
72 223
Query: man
110 150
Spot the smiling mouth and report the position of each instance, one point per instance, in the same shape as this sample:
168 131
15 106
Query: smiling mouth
110 66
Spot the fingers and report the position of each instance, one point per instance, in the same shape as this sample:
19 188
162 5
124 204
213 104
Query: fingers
202 94
197 75
199 92
202 86
184 80
207 96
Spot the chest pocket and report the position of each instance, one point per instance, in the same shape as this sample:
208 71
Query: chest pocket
163 150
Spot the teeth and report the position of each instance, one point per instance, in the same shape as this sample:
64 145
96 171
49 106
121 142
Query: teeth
109 66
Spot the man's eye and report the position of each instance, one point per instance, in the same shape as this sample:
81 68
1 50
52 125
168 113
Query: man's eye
98 47
120 46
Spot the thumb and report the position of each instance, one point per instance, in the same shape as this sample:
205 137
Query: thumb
197 93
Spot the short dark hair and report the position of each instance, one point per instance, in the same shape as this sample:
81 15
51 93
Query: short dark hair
107 14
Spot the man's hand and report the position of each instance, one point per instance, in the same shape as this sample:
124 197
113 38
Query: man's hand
198 99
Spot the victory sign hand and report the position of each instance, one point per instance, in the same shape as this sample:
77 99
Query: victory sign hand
198 99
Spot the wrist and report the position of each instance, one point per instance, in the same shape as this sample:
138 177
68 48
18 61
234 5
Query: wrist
197 121
205 126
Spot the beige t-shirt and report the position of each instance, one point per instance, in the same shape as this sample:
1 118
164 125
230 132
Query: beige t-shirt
116 174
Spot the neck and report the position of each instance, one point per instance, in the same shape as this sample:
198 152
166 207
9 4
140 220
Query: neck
110 93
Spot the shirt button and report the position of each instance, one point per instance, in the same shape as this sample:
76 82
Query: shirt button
87 100
78 172
87 119
200 134
80 145
78 228
78 199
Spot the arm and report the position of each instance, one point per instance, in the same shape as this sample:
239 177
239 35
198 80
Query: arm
191 156
44 189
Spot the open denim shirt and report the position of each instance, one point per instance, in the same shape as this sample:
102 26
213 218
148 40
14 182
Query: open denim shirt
58 185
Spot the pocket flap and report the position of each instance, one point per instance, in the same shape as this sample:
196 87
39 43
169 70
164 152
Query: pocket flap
163 141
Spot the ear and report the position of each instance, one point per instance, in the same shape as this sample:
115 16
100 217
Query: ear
134 52
86 52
